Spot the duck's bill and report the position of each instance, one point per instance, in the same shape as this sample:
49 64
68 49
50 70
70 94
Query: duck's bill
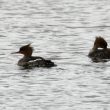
15 52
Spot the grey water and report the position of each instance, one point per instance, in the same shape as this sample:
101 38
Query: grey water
62 31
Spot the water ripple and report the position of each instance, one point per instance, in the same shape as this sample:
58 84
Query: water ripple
62 31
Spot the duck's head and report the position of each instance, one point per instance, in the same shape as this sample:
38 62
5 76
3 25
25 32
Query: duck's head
25 50
100 43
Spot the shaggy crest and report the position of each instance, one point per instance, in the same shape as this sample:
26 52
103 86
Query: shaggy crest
23 48
26 50
100 43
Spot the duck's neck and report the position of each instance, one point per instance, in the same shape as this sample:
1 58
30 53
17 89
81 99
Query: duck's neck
27 56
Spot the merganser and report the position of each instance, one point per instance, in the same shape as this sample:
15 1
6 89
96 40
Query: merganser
99 52
31 61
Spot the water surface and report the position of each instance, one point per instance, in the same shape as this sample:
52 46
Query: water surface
63 31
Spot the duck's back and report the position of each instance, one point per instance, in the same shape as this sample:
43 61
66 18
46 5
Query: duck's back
35 62
100 54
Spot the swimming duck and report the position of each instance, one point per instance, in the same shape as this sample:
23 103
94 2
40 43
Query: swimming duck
99 52
32 61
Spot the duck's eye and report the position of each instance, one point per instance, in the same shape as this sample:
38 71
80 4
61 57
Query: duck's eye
22 49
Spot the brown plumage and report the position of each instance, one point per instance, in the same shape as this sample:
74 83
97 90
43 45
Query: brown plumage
31 61
26 50
97 54
100 43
